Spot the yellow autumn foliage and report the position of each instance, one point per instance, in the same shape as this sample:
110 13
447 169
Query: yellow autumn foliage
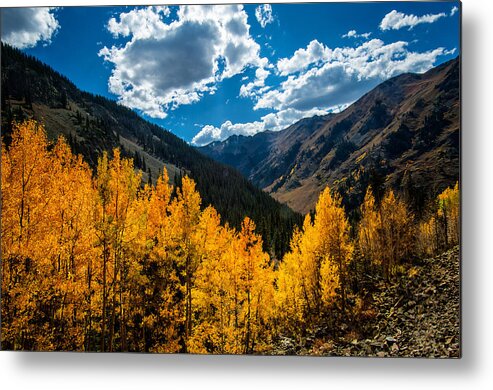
442 230
385 234
96 261
313 274
103 263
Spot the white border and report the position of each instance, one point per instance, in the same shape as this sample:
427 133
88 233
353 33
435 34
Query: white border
473 371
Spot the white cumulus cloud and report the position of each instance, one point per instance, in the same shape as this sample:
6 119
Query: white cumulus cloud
264 16
302 58
395 20
168 63
257 86
319 80
273 121
211 133
354 34
341 75
26 27
141 23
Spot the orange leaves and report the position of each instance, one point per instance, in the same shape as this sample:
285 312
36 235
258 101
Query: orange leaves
234 288
24 175
369 227
311 274
47 239
104 263
166 276
448 210
385 234
335 247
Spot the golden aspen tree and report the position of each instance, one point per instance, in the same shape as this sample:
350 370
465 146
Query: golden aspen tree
218 296
72 235
124 183
133 278
250 284
291 293
233 342
442 229
185 214
105 264
256 285
25 223
429 236
310 275
117 187
335 247
162 303
369 227
210 300
48 236
310 278
448 212
103 226
234 289
385 234
298 294
397 229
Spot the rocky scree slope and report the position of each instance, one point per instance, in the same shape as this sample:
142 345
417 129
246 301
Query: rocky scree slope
416 315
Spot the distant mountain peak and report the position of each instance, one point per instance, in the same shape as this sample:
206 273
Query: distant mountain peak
406 127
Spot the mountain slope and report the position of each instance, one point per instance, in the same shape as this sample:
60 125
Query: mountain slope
92 124
404 134
264 157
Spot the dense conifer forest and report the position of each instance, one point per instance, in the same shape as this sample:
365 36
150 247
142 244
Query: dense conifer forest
93 124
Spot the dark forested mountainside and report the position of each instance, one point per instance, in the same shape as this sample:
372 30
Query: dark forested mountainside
403 134
92 124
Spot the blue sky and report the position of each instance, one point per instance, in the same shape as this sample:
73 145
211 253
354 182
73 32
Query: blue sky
208 72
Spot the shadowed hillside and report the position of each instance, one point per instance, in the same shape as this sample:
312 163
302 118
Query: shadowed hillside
92 124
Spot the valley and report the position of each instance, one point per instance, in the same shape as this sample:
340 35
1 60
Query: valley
404 134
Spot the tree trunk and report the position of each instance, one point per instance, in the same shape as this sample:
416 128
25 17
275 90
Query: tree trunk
103 315
248 327
188 319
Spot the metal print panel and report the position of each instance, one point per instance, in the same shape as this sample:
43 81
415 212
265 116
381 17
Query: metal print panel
278 179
